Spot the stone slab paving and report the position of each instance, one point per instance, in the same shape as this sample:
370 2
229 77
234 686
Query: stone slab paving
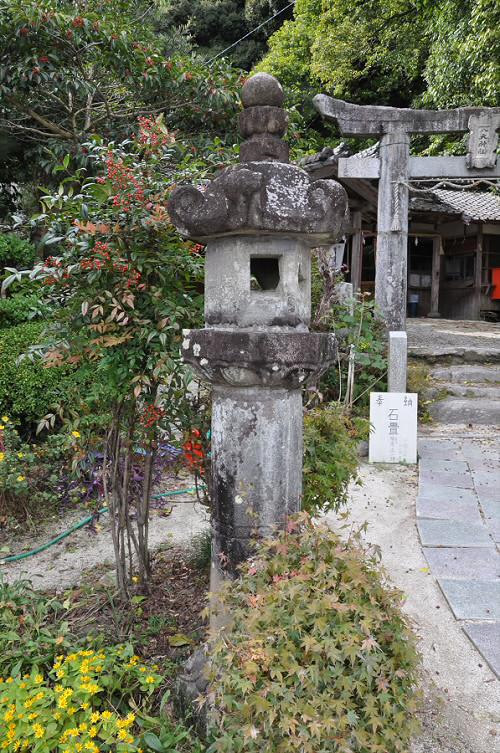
486 636
463 562
445 532
472 599
458 518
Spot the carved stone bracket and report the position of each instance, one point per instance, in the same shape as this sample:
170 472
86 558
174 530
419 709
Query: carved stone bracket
270 359
261 197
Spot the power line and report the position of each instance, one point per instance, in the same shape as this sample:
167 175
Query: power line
207 62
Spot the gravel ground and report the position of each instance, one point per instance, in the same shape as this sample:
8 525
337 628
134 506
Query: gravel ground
91 549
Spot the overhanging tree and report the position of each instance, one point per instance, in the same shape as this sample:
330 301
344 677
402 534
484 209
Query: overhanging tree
71 69
391 52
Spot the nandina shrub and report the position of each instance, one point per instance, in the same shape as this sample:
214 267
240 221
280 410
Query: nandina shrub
331 461
318 655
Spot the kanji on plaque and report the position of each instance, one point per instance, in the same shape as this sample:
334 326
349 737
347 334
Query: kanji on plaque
393 432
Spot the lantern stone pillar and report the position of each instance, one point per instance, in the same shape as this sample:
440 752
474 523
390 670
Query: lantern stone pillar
259 219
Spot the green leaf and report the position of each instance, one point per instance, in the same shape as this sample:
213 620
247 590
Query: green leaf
179 639
153 742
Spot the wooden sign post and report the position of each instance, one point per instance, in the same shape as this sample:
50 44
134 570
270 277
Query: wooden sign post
395 168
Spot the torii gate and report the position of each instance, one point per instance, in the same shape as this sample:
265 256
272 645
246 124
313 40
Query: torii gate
395 168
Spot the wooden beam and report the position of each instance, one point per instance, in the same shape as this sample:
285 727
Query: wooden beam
364 189
435 278
368 168
356 252
372 120
478 272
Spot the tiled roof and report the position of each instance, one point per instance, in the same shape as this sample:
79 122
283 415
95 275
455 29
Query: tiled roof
471 206
428 202
476 205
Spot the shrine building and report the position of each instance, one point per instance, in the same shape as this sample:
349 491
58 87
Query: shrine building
453 242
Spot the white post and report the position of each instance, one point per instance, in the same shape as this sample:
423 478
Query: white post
398 360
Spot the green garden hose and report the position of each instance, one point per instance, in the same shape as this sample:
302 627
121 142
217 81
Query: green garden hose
76 527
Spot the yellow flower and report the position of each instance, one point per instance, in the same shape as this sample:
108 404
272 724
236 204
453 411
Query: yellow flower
38 679
92 732
107 715
2 456
94 717
76 434
20 478
20 455
2 427
5 419
150 679
38 730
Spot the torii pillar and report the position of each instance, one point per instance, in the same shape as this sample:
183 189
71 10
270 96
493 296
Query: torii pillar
393 126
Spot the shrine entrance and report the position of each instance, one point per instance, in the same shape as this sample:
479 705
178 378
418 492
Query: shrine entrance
401 254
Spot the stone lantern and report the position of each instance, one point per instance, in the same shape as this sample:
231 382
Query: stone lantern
259 219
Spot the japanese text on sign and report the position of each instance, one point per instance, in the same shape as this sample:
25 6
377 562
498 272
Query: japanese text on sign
393 433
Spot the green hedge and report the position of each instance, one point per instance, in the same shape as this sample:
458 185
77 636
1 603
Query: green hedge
27 389
16 252
19 308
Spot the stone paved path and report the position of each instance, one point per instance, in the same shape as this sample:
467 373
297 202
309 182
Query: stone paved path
438 339
458 506
458 518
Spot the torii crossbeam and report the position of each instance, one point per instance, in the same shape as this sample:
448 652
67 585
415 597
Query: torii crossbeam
395 168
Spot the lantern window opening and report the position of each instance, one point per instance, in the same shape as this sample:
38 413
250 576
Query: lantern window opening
265 273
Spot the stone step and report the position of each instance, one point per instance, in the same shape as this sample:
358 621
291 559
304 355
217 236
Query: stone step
472 390
454 355
457 410
467 373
